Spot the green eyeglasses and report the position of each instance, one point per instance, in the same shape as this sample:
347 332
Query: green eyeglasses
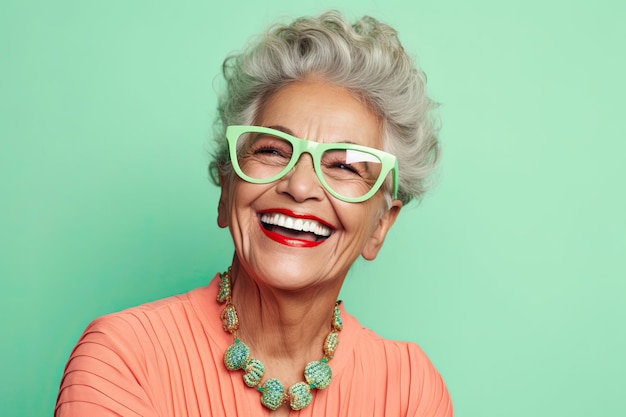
351 173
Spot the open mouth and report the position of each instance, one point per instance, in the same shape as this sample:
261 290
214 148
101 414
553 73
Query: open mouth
288 229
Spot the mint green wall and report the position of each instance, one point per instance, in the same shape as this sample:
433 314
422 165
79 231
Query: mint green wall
510 274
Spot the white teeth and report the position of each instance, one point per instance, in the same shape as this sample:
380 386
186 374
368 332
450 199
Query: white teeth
301 225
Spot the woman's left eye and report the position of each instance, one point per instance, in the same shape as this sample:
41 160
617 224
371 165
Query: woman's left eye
347 167
342 168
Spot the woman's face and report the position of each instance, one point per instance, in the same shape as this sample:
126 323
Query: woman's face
261 216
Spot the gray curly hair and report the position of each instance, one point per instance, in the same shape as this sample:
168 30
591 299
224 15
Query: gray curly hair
366 58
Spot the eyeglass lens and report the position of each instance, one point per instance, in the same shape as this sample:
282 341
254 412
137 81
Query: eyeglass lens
347 172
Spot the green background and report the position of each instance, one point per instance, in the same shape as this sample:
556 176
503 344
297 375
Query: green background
510 274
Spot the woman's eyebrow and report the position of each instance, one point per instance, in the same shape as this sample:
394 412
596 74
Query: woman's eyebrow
282 129
290 132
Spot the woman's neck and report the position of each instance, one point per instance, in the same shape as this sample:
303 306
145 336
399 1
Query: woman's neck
284 329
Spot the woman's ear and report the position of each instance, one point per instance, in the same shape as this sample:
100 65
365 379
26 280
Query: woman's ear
376 240
223 204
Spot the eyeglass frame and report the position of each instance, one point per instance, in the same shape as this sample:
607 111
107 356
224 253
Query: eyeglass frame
389 163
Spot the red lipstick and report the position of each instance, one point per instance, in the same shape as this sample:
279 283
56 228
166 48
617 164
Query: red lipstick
292 241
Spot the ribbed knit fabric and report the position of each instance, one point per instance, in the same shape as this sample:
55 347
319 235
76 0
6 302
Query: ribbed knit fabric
165 359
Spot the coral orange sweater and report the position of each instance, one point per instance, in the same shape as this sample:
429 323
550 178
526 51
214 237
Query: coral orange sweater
165 359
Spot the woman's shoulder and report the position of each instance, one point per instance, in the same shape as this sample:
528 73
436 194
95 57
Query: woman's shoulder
122 360
150 332
397 353
395 366
137 316
366 338
191 306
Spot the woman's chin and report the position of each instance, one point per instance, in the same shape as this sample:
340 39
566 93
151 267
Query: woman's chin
291 273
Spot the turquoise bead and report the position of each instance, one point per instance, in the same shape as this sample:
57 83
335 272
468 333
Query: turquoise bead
230 320
318 373
330 344
337 323
224 288
299 396
236 356
273 394
254 371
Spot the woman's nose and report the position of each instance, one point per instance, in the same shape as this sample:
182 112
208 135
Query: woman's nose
301 183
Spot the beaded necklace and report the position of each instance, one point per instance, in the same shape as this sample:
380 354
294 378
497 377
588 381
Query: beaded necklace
317 373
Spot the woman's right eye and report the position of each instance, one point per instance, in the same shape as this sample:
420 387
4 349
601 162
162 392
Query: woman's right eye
269 146
268 150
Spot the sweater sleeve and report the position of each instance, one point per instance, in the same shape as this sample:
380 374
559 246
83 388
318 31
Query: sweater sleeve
103 376
429 395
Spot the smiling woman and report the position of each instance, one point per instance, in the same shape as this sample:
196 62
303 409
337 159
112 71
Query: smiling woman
323 134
